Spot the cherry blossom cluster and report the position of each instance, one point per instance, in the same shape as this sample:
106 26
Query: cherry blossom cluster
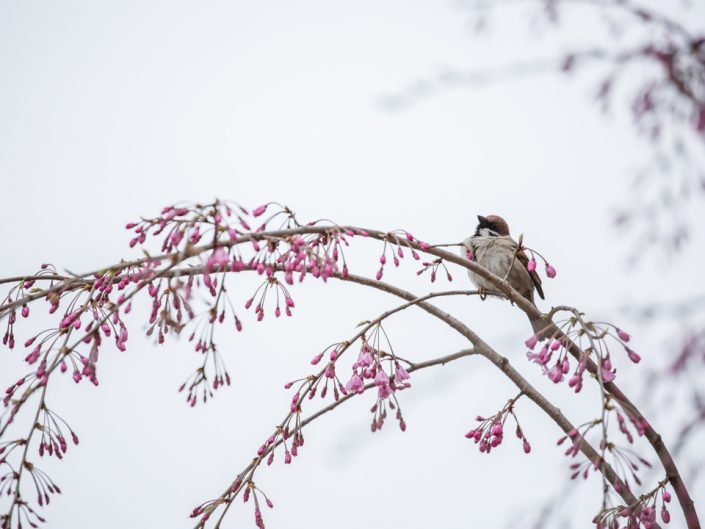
172 311
376 362
642 514
591 338
44 487
249 490
91 308
593 341
54 431
395 243
87 309
87 312
531 263
674 83
20 291
627 463
577 436
489 433
370 365
434 266
181 228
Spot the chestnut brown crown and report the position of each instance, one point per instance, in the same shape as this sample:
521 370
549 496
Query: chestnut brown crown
494 223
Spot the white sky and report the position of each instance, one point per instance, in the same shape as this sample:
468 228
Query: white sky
111 110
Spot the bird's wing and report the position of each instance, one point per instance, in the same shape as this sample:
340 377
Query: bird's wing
524 260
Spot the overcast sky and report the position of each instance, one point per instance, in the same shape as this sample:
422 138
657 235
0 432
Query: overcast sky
111 110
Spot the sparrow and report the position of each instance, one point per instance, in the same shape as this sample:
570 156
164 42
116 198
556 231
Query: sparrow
493 248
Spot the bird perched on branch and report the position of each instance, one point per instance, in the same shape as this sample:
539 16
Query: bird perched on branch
493 248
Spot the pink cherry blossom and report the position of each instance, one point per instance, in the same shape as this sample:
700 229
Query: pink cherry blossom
400 374
531 342
381 378
218 260
555 374
606 371
364 359
355 384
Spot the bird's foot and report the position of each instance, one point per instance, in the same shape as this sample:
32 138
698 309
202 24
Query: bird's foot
482 291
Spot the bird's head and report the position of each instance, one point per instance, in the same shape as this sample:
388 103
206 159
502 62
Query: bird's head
492 226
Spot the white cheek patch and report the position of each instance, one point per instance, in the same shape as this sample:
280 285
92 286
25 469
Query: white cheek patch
486 232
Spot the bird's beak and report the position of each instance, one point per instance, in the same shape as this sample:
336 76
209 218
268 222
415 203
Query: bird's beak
482 219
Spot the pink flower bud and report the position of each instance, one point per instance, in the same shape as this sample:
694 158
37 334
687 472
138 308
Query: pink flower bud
258 211
69 319
316 359
176 237
623 335
565 366
550 271
665 515
633 356
531 265
34 355
700 121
